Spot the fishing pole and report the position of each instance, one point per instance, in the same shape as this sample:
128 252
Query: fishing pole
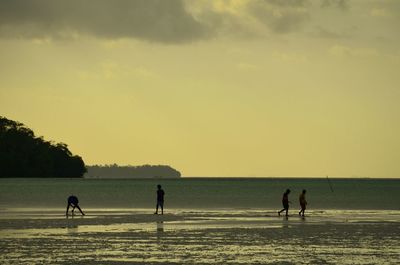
329 182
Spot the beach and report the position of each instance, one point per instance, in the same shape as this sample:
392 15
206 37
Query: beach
216 236
206 221
199 132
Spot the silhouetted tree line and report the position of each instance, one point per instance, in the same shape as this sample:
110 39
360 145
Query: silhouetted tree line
24 155
145 171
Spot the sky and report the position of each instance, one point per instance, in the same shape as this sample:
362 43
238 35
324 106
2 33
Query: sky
213 88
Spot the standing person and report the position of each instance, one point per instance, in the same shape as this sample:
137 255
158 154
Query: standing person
285 202
303 202
73 202
160 199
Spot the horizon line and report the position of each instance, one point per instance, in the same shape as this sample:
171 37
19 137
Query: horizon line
314 177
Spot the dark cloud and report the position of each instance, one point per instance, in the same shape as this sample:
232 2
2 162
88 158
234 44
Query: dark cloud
280 18
165 21
291 3
340 4
153 20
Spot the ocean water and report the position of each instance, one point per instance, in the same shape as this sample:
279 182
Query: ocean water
200 193
207 221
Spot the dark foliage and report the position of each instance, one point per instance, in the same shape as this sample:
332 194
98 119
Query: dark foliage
23 155
145 171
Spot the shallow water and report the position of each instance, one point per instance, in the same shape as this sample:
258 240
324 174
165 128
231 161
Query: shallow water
218 221
218 236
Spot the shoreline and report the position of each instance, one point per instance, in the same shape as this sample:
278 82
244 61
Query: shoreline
190 236
54 217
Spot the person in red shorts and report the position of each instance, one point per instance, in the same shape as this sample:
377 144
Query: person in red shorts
303 202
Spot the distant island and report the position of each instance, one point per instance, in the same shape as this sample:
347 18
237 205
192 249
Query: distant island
23 155
145 171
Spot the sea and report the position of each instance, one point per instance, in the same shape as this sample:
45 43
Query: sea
200 193
205 221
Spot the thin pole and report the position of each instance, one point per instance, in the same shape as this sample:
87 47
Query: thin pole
329 182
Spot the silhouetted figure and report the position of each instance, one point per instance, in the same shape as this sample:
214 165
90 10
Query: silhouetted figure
73 202
303 202
285 202
160 199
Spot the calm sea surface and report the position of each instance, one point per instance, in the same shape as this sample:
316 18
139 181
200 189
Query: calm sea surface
235 193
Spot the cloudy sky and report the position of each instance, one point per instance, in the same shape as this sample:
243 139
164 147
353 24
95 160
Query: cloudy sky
212 88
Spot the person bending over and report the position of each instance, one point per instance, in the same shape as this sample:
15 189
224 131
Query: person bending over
73 202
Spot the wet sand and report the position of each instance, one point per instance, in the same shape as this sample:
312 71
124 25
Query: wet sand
125 236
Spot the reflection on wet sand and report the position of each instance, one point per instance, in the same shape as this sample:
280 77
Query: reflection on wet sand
200 238
160 226
71 225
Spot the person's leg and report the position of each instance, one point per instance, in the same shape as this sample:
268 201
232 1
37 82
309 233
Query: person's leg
73 209
287 210
162 207
156 208
66 212
79 208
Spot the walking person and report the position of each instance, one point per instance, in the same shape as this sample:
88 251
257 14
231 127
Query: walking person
285 202
303 202
160 199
